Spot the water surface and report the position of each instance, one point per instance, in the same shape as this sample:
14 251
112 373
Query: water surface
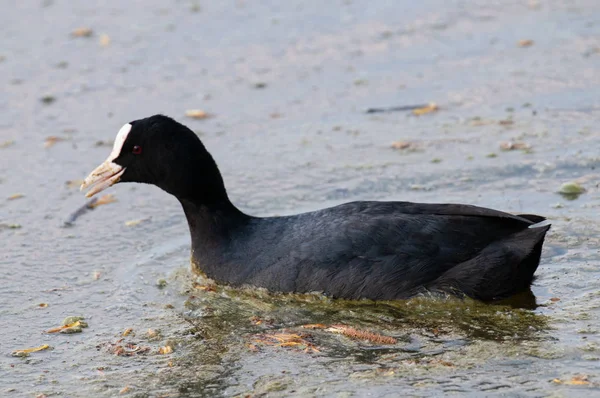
288 85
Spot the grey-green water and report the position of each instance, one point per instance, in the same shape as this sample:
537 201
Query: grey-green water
288 84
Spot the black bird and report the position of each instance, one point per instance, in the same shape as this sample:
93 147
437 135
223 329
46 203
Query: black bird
374 250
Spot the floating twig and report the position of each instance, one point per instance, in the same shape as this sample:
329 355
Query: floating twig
404 108
90 205
362 334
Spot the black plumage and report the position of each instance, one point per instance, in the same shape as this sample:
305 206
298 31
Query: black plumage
375 250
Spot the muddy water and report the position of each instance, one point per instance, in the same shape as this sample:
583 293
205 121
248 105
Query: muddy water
288 86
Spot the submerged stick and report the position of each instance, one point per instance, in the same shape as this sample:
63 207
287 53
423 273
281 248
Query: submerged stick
90 205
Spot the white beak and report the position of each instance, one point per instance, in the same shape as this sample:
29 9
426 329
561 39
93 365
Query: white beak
108 173
104 176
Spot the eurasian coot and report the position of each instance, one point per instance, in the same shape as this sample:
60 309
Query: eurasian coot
374 250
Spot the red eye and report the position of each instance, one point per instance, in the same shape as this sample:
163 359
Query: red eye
137 150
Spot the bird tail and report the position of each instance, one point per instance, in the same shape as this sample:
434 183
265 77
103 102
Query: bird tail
501 269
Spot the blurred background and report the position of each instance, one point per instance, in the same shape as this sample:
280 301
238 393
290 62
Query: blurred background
295 100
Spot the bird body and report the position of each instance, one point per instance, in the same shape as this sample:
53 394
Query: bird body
374 250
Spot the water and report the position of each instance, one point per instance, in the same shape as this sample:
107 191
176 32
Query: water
301 142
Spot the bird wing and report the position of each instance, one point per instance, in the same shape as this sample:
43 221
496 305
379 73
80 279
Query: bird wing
390 247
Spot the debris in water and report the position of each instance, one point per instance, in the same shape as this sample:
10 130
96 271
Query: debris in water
195 7
104 40
287 340
153 334
260 85
82 32
525 43
9 226
252 347
361 334
90 205
127 332
514 145
404 108
165 350
16 196
42 305
161 283
7 143
197 114
401 145
506 122
571 190
96 275
478 121
255 320
554 299
68 321
205 288
133 223
72 328
52 140
431 107
74 318
427 361
126 350
314 326
104 200
48 99
71 324
579 380
124 390
27 351
442 362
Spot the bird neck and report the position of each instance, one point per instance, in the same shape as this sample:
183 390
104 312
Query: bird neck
212 217
199 187
196 180
212 228
208 209
210 213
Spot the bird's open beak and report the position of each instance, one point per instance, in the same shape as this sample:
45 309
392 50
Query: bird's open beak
104 176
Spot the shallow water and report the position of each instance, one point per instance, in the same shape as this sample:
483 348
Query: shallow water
301 142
